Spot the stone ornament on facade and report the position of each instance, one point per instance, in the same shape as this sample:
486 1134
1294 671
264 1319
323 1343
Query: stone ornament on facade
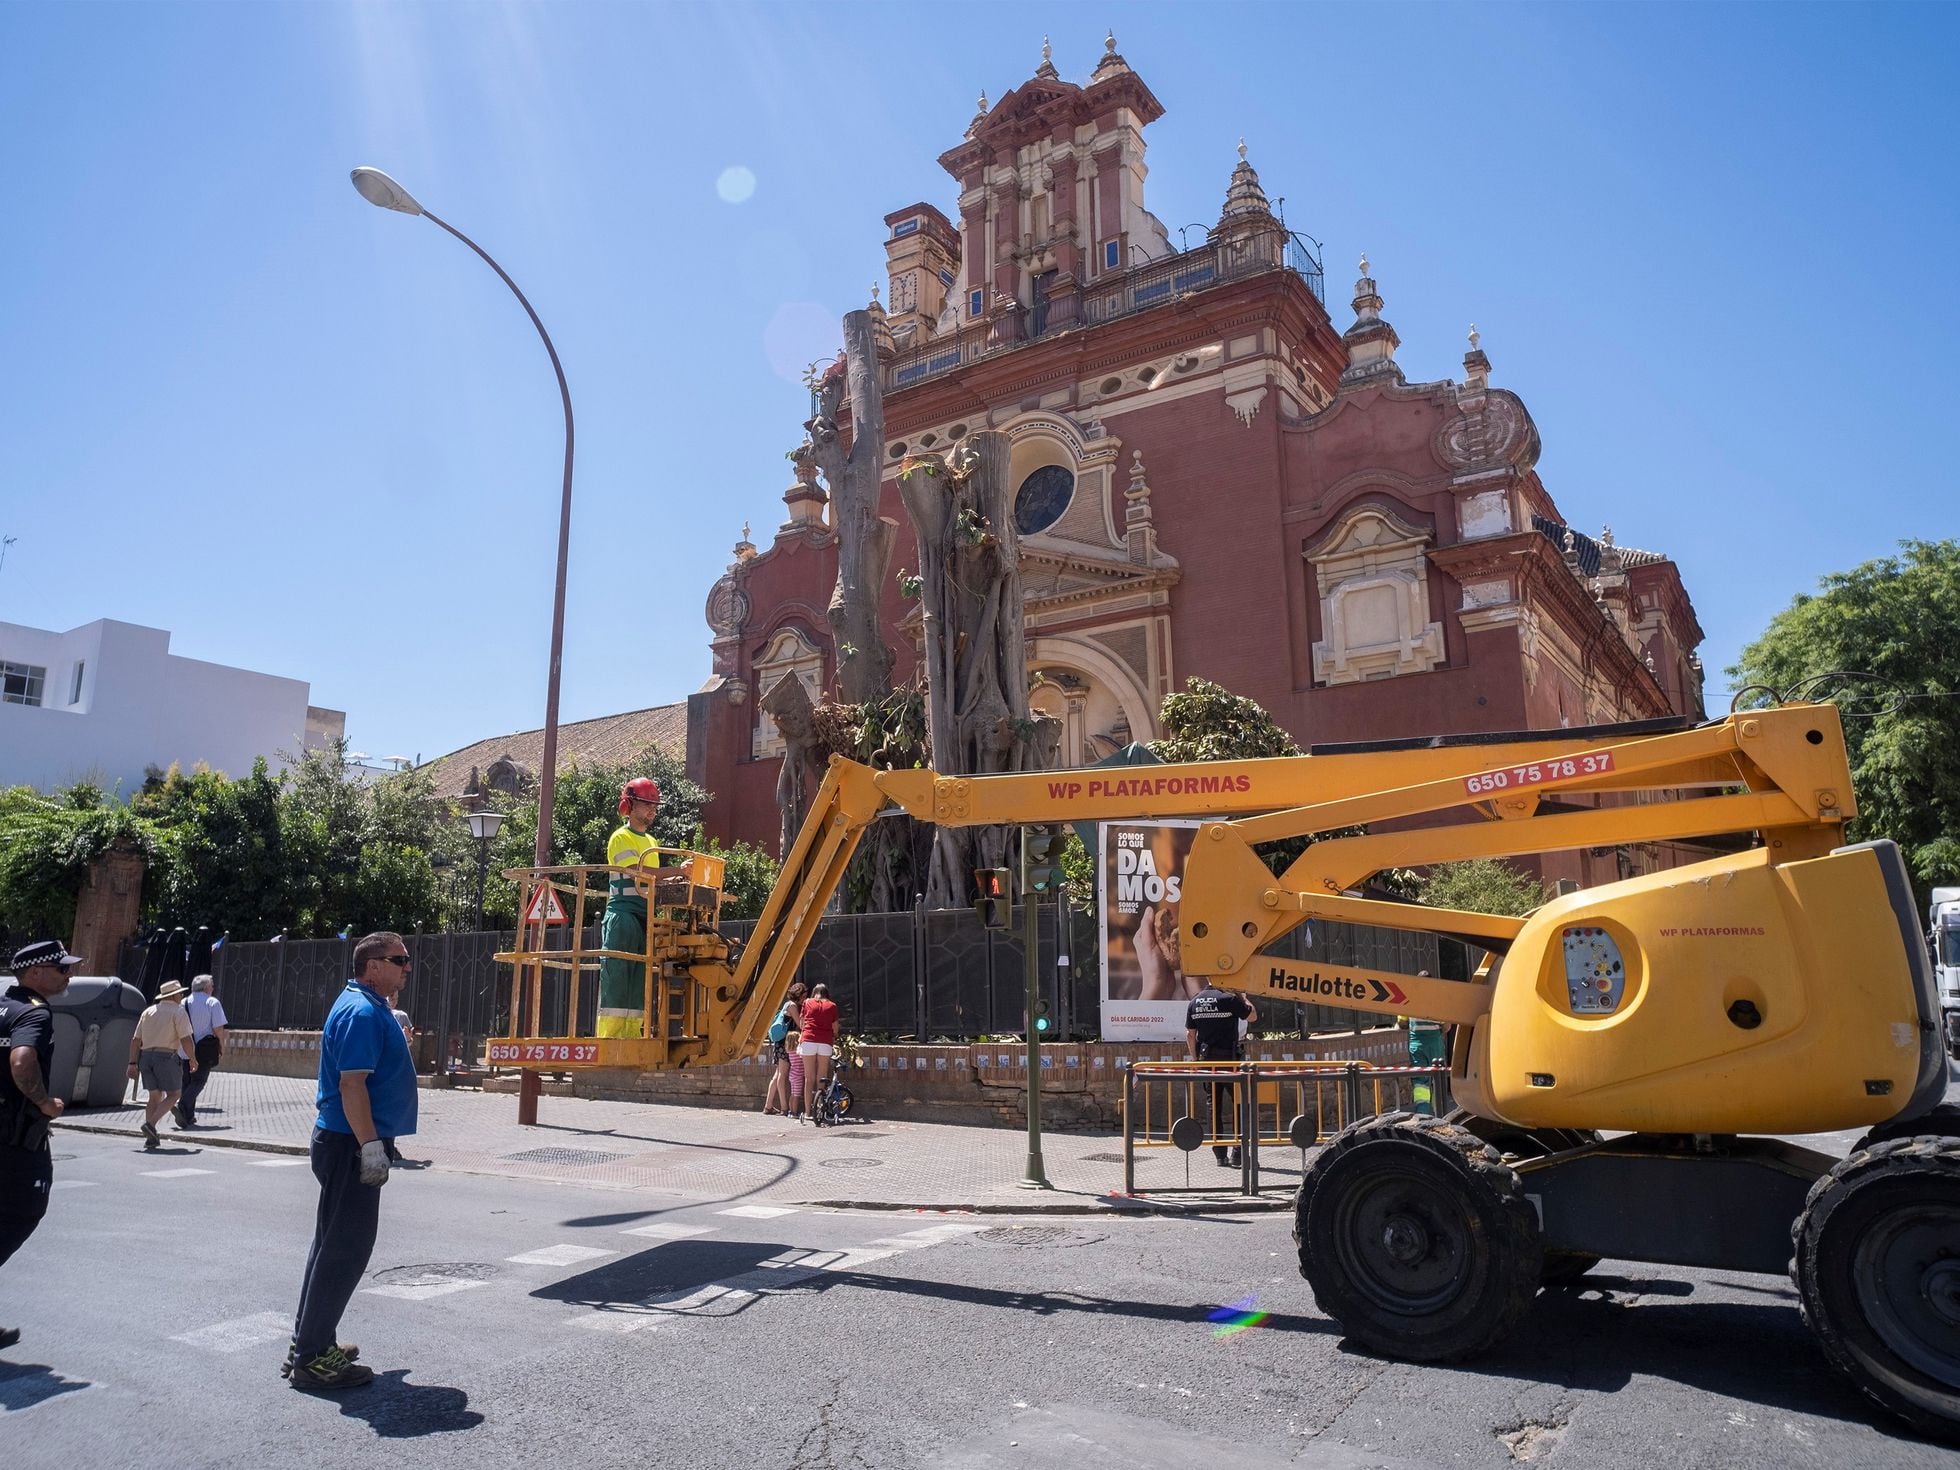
728 607
1373 576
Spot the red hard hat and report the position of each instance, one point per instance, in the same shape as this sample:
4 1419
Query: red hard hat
640 788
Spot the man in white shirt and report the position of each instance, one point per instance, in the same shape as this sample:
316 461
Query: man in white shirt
208 1040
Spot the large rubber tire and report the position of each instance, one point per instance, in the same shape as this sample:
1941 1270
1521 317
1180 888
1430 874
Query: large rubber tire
1942 1121
1877 1270
1417 1238
1561 1268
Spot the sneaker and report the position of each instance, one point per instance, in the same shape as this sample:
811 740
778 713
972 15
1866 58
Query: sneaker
347 1350
1223 1159
181 1118
332 1369
1235 1160
150 1138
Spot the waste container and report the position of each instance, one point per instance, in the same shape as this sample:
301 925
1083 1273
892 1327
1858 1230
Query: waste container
94 1021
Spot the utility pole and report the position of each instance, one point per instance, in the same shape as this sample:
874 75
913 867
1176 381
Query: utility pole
1039 874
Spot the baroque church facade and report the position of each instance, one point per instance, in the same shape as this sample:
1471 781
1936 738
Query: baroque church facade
1213 480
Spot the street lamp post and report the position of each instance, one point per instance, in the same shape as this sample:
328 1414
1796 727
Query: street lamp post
380 190
484 827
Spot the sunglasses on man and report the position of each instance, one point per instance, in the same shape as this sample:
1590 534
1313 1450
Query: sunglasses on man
401 960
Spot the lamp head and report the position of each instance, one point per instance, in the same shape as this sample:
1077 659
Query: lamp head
485 825
377 188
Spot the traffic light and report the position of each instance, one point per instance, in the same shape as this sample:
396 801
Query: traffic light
1041 858
991 899
1041 1021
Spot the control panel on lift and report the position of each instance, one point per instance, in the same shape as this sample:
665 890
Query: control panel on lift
1595 977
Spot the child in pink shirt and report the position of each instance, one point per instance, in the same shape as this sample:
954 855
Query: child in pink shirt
795 1075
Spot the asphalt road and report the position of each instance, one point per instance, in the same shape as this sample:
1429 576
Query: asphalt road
515 1322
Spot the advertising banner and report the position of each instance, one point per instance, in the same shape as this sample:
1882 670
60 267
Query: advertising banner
1144 991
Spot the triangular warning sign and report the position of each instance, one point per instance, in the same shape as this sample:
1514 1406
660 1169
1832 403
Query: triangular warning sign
545 907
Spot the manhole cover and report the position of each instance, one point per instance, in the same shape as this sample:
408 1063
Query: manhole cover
435 1273
852 1163
1102 1158
561 1156
1046 1235
860 1133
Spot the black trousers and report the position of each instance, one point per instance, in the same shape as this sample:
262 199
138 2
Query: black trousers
208 1052
1224 1115
343 1239
26 1180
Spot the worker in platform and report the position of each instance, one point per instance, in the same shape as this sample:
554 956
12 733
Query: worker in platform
623 982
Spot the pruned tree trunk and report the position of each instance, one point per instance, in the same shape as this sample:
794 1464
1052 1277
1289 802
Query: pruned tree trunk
977 715
788 704
864 538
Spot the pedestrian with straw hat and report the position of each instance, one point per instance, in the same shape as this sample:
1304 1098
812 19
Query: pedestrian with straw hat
161 1055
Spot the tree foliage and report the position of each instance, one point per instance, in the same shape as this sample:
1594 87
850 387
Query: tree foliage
1480 886
1208 722
1898 619
314 850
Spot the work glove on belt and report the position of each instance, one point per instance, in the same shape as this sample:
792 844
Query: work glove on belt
374 1163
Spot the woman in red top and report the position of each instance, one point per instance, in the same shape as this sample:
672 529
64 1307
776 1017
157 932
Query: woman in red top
819 1022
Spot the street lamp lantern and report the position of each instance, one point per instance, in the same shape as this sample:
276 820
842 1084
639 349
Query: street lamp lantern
485 825
378 189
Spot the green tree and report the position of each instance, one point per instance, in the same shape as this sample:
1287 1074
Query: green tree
231 870
584 815
47 844
1897 618
1210 723
1480 886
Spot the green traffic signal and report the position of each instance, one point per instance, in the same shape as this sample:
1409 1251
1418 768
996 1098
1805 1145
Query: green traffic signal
1041 857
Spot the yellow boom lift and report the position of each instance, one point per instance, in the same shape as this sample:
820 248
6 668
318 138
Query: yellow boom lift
1621 1056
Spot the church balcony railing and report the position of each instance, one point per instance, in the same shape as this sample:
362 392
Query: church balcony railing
1214 263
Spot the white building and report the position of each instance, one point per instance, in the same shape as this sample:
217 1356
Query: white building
106 701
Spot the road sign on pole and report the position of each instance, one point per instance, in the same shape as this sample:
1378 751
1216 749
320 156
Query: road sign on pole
545 907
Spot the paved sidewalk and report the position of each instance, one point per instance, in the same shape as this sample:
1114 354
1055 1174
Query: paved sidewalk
713 1153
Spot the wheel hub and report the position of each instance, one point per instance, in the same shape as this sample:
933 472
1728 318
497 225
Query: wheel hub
1941 1288
1405 1239
1908 1264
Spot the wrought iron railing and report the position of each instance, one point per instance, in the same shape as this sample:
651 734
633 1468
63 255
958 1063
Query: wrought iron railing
1150 285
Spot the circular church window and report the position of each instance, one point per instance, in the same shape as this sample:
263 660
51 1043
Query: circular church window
1042 498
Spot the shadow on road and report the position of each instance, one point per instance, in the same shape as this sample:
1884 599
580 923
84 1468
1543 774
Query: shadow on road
23 1385
720 1278
394 1408
1605 1333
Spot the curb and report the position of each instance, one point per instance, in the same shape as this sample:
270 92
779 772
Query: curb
193 1136
1132 1205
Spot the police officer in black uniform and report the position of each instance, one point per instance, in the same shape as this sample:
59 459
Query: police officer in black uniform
26 1108
1211 1027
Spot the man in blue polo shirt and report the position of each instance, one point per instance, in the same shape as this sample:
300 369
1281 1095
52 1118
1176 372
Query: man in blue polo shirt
367 1100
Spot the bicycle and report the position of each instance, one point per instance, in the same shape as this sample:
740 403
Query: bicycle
832 1103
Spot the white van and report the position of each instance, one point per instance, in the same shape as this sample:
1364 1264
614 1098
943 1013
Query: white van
1943 934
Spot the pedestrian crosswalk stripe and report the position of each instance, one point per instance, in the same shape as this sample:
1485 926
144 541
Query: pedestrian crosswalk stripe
174 1173
559 1255
240 1333
278 1163
759 1212
76 1183
669 1232
421 1292
931 1235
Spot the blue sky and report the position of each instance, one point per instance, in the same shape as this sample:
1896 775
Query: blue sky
1712 246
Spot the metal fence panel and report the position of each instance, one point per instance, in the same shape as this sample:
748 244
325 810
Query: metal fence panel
915 973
